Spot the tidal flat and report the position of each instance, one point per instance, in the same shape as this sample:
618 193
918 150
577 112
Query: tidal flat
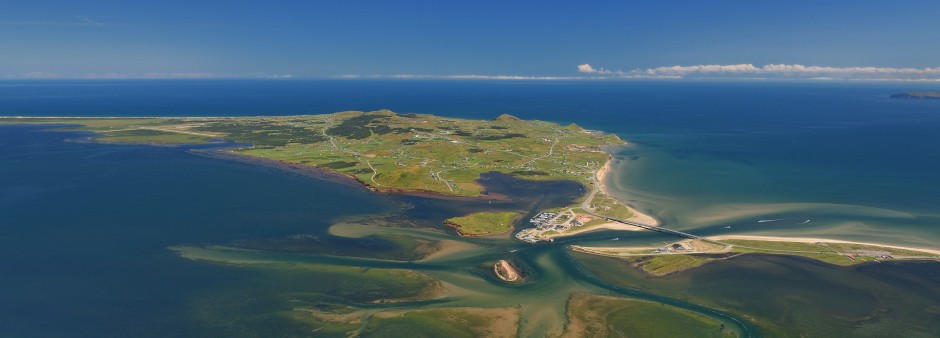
605 316
795 296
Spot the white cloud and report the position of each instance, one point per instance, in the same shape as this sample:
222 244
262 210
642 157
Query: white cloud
776 71
586 68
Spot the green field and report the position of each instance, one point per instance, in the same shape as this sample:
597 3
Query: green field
660 264
832 253
609 206
383 149
669 263
484 223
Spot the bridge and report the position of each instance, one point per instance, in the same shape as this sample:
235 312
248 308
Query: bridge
649 227
586 206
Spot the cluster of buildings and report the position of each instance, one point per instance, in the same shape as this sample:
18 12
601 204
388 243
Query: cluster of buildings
543 218
529 235
675 247
547 221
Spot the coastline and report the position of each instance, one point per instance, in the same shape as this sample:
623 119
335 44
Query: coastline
533 235
717 239
688 254
815 240
639 217
605 226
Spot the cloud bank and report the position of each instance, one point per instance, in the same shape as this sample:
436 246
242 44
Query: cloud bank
771 71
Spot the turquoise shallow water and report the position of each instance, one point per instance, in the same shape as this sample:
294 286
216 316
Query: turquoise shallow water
822 162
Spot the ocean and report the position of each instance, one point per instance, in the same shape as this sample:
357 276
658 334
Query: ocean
85 227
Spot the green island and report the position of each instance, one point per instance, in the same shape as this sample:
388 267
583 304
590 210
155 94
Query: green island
483 223
686 254
404 153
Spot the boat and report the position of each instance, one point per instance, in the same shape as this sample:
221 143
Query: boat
728 227
616 239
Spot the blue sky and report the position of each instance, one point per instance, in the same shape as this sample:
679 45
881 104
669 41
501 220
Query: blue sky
314 39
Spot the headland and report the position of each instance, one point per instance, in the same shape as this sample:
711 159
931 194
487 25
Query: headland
416 154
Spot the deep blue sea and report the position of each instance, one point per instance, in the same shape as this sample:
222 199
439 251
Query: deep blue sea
84 227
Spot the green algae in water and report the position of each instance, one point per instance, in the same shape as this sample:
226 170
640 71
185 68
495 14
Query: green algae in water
604 316
460 322
313 281
792 296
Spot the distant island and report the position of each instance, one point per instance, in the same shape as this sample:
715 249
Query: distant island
935 94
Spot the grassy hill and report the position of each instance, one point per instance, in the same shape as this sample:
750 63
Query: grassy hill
382 149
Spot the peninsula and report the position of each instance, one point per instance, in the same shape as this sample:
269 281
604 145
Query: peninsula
406 153
438 156
690 253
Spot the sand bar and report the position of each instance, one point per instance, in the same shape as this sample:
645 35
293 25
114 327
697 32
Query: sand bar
815 240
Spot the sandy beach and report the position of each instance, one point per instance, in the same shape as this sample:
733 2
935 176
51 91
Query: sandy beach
638 216
815 240
606 226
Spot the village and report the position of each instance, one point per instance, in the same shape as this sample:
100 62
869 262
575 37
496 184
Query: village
549 221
